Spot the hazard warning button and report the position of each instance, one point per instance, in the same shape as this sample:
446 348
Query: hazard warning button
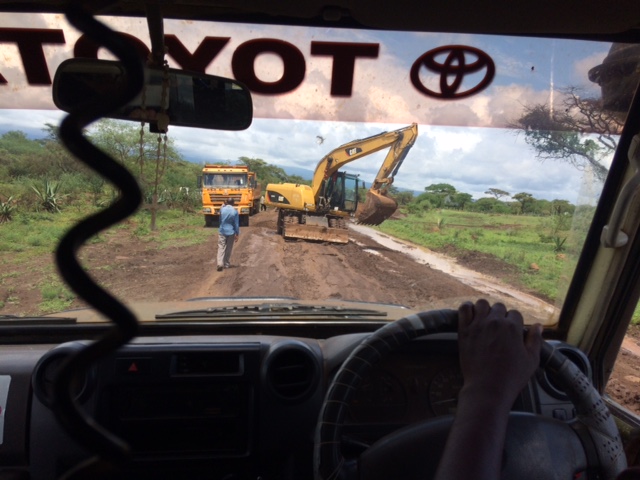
133 366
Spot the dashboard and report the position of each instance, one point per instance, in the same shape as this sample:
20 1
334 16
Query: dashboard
230 407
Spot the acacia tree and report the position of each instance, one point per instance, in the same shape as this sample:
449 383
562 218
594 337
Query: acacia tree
581 133
438 194
145 154
497 193
462 199
525 200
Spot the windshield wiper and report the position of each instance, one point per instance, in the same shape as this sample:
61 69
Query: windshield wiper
271 310
32 320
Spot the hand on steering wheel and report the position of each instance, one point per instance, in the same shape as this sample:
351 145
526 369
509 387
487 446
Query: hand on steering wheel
494 360
592 442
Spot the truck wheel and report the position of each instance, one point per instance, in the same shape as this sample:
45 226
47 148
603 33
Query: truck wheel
244 220
208 221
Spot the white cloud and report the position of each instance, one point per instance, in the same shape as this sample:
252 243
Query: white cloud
33 121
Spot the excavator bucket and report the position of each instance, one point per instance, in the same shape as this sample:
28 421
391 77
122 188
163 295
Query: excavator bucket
376 209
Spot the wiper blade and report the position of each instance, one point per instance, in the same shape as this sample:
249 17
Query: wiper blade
270 310
13 320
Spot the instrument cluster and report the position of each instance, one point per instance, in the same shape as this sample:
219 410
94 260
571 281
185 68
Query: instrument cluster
414 384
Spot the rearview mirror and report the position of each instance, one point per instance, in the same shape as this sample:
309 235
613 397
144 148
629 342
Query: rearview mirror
190 99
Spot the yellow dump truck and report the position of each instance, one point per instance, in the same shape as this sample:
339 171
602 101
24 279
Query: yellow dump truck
219 182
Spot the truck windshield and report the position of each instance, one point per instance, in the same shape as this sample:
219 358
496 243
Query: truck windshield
225 180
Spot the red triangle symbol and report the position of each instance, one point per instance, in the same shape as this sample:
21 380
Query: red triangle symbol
133 367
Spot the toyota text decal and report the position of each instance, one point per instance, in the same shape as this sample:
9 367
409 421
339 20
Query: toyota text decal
452 64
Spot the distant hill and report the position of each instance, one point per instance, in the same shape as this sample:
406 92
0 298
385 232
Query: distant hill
301 172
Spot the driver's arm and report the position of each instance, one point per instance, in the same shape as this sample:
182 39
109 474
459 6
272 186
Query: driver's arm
496 364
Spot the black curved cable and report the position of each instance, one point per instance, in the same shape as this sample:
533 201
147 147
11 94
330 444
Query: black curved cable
109 448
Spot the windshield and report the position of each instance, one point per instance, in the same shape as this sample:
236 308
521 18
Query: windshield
494 197
224 180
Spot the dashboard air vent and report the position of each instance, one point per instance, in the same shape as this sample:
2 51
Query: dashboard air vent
291 372
47 368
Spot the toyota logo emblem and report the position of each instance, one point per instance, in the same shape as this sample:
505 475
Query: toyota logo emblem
459 62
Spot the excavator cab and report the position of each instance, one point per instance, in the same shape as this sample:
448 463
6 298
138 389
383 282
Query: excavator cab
341 192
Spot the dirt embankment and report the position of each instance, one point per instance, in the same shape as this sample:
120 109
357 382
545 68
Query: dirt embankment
263 264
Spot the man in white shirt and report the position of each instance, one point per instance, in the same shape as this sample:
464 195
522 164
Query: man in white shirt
228 233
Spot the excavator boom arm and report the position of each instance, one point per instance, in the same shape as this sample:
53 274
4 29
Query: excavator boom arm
396 155
400 141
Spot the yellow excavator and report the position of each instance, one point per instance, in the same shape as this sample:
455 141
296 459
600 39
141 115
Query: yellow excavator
320 211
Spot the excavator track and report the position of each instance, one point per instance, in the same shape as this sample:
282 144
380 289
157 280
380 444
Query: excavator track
317 228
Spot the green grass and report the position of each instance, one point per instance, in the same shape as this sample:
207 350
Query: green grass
55 296
36 233
174 228
40 233
525 242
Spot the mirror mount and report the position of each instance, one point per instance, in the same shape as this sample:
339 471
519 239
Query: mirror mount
155 23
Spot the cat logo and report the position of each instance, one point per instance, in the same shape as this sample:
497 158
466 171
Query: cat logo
353 151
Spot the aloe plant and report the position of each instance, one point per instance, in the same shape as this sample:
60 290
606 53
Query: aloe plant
49 195
7 209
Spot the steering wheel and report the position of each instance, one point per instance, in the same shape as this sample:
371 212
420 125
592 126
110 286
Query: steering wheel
535 447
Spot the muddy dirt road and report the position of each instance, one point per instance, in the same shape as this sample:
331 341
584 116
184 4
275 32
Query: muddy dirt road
265 264
371 268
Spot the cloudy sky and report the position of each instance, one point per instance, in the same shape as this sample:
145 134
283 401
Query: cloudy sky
462 142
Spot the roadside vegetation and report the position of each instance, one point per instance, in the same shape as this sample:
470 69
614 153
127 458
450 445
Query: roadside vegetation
31 238
539 238
535 246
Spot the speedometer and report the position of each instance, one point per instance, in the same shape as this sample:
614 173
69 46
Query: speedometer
381 398
444 390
